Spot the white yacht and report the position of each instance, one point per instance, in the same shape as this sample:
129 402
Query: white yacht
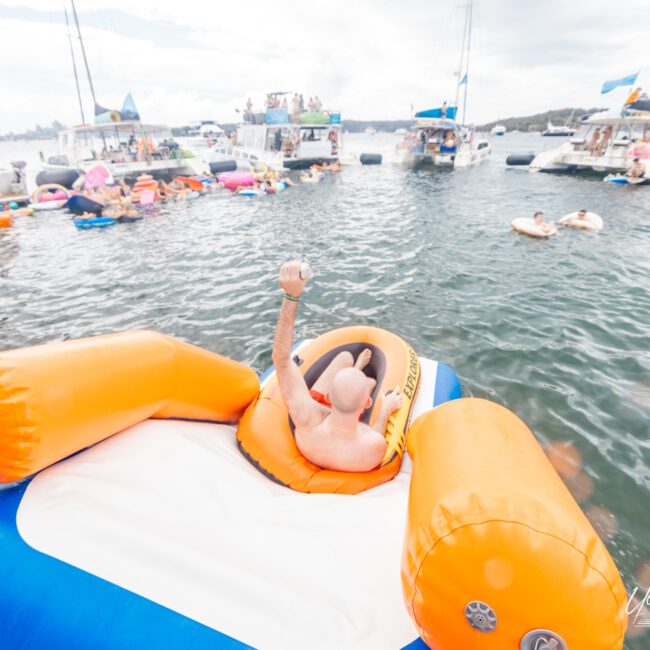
440 141
281 144
370 130
498 129
558 131
620 139
128 149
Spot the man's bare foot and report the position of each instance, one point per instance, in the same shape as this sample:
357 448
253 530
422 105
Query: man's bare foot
363 359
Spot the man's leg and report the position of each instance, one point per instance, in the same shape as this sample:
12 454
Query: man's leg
340 361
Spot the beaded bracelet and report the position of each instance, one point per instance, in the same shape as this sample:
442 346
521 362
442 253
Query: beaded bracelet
292 298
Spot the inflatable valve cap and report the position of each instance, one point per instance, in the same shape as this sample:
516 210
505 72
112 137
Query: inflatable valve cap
480 616
542 640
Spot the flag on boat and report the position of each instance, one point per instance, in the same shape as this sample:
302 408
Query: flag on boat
129 111
463 80
616 83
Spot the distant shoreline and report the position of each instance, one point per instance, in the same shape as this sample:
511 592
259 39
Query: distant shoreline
527 123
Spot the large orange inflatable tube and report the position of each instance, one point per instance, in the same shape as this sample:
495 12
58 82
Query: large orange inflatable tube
494 538
59 398
265 436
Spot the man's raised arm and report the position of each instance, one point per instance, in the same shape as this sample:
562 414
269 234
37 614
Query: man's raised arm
292 385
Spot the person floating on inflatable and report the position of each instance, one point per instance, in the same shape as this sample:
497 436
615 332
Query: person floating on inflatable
326 418
582 220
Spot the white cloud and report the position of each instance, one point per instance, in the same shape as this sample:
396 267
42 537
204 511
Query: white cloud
370 59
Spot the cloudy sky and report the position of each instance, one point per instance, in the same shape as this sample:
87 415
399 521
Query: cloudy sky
197 59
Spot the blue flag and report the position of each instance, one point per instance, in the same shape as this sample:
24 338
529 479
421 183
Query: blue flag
615 83
463 80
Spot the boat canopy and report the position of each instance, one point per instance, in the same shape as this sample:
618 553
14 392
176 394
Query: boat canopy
130 126
450 113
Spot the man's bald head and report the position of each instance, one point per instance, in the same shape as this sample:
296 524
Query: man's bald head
349 391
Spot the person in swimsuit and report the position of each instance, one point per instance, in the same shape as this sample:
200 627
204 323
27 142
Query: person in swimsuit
326 418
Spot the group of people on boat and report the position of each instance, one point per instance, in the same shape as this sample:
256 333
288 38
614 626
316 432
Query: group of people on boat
279 101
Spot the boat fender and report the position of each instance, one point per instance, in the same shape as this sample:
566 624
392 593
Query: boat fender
223 166
519 159
370 158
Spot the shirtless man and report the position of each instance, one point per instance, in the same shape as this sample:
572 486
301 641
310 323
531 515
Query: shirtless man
328 431
637 170
548 228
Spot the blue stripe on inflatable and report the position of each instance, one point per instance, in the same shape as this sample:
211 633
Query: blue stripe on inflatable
46 603
418 644
447 385
267 373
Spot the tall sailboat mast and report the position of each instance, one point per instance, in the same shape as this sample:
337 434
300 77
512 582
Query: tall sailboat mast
74 64
462 58
470 12
83 51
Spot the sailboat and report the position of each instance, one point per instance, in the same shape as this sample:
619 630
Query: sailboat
438 138
119 140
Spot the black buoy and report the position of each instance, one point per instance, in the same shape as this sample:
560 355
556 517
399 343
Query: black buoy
370 158
223 166
65 177
519 159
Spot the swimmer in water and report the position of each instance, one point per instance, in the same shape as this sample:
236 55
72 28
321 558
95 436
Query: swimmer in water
547 228
326 418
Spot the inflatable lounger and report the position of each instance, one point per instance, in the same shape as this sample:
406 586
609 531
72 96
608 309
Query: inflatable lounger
130 519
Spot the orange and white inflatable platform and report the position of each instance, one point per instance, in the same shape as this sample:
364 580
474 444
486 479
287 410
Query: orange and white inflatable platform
153 497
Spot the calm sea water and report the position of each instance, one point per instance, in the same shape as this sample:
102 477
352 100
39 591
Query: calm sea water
558 330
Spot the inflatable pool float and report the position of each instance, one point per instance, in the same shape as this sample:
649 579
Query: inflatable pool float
192 195
95 222
48 205
619 179
251 192
526 226
131 519
592 221
316 178
18 212
5 220
144 185
97 176
233 180
51 192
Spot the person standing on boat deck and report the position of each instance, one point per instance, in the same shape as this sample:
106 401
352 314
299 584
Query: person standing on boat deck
318 105
443 110
592 147
302 104
326 418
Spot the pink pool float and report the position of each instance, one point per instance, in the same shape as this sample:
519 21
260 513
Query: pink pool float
233 180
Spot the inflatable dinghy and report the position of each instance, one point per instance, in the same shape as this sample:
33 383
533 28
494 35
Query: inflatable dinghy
619 179
129 518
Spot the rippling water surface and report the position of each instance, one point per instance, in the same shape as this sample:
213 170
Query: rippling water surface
558 330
